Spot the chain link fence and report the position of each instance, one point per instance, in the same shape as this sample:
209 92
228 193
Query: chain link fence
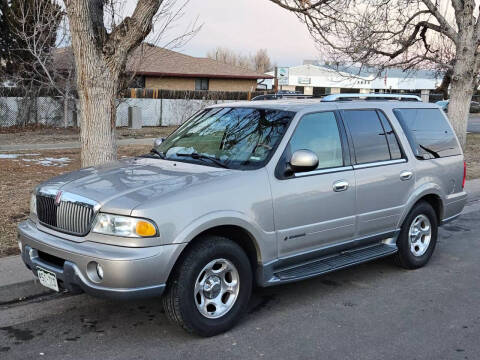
157 107
26 111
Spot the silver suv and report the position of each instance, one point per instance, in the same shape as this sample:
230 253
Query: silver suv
251 194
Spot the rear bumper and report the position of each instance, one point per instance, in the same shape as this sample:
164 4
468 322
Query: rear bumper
129 273
454 205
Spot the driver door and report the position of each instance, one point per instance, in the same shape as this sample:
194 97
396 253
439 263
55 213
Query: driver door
315 209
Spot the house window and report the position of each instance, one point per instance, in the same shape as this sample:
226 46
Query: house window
201 84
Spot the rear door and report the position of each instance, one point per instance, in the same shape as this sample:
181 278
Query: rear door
384 177
311 209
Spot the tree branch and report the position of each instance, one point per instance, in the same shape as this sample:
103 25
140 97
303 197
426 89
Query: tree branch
444 28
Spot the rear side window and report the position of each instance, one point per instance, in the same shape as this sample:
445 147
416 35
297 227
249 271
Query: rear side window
368 136
428 132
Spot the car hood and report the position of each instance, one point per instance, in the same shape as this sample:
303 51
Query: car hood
122 185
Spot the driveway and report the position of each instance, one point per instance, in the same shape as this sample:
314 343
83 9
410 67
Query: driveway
372 311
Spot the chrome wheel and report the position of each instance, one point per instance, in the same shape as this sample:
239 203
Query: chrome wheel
420 234
216 288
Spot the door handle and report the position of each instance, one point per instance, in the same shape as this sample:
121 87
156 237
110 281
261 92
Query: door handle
406 175
340 185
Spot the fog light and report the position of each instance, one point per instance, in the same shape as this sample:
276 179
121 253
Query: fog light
100 271
31 253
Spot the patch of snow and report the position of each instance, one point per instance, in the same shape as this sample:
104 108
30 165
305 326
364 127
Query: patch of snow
9 156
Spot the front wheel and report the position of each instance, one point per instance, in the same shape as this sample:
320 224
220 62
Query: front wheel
210 288
418 237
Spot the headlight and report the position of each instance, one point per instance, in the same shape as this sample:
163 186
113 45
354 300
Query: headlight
33 205
123 226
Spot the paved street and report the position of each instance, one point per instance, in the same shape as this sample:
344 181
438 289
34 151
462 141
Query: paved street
373 311
474 123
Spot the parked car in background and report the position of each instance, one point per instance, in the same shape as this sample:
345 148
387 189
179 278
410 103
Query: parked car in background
474 106
251 194
283 94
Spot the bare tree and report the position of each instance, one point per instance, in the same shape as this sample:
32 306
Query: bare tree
407 33
259 62
262 61
36 27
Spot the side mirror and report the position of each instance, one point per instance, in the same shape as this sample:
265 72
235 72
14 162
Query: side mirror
303 161
158 142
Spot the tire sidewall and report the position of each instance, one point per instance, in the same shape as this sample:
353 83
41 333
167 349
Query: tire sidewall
222 249
403 243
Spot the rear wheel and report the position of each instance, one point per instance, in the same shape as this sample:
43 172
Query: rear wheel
418 237
210 288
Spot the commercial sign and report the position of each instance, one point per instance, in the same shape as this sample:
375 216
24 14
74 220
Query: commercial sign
282 75
304 80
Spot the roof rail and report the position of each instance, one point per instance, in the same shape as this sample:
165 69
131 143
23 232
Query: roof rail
350 97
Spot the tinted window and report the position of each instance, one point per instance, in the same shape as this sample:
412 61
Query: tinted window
428 132
392 140
319 133
368 136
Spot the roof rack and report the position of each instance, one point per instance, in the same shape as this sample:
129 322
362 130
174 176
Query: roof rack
350 97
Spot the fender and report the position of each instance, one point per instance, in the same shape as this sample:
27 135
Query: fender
425 189
265 242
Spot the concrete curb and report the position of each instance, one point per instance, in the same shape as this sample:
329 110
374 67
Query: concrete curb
18 283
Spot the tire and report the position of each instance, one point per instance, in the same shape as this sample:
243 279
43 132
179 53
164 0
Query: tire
182 300
416 254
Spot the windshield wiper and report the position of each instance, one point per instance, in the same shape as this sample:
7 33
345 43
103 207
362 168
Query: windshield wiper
198 156
435 154
159 153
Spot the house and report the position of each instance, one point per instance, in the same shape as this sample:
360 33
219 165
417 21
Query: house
158 68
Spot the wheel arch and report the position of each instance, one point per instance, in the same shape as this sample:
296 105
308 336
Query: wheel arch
243 234
431 195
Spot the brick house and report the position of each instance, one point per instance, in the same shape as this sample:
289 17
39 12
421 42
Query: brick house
158 68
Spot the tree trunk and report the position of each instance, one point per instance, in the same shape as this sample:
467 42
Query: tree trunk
459 107
100 58
463 77
97 120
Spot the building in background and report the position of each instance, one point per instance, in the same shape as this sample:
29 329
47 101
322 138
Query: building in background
315 79
153 67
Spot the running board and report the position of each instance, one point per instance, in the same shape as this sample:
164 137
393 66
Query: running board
331 263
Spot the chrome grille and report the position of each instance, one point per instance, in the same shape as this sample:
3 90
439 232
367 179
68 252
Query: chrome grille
72 217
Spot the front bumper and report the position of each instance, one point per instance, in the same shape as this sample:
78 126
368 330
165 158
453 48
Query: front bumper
128 272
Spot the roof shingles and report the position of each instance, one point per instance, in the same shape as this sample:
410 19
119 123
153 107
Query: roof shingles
155 61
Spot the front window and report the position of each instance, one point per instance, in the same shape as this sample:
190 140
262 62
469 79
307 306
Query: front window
238 138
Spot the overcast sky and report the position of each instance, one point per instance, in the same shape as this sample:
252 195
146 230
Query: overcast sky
245 26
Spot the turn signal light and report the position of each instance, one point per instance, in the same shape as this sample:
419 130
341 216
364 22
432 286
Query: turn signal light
145 229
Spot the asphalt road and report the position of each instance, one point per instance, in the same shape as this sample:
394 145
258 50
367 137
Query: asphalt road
372 311
474 123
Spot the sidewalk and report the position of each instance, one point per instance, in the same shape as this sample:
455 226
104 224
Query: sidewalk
17 282
71 145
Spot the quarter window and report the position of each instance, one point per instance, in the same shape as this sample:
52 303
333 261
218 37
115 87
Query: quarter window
368 136
428 132
319 133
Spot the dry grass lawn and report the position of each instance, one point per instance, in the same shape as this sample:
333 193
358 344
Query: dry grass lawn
18 176
49 135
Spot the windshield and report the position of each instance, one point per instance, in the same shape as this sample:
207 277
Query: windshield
238 138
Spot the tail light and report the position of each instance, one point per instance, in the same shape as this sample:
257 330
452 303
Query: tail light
464 174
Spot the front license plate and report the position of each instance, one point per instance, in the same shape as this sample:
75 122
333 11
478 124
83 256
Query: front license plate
47 279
